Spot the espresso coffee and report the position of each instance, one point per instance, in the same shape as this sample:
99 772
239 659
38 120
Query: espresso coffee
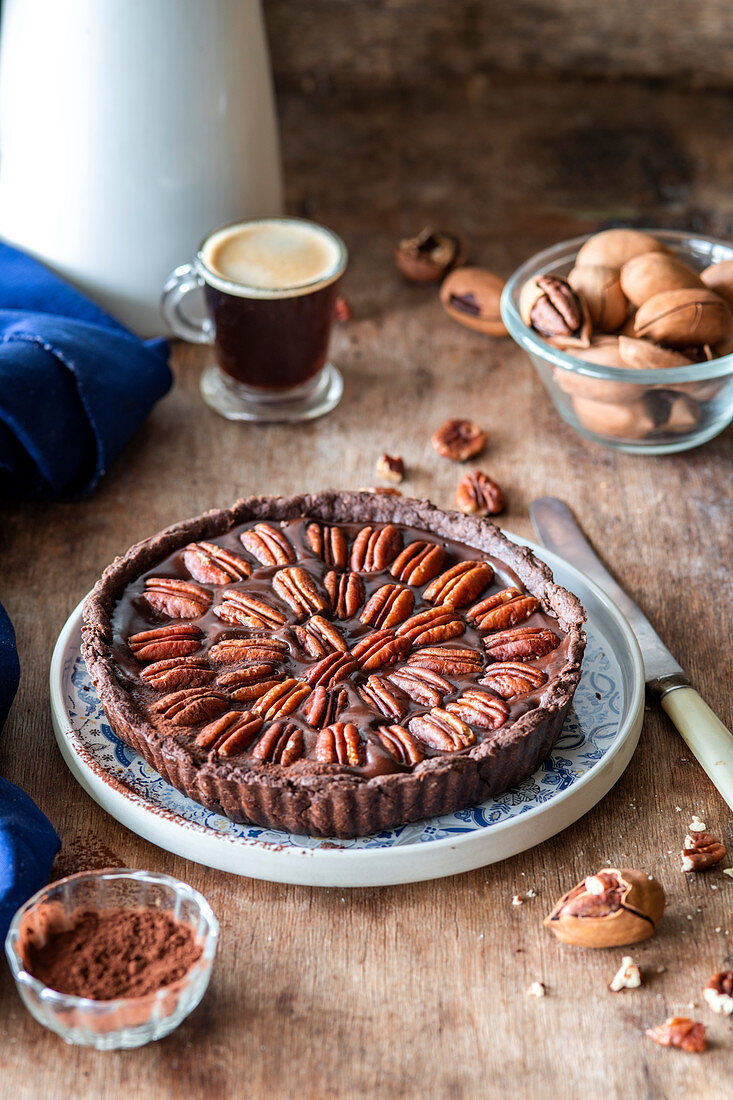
271 289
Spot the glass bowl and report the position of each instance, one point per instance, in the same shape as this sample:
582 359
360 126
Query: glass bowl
129 1021
654 411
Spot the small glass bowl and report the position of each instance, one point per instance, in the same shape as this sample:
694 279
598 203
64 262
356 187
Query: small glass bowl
129 1021
656 411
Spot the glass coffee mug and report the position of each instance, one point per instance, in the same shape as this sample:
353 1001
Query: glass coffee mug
270 288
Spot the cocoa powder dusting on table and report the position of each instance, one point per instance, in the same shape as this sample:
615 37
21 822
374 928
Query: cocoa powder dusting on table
109 953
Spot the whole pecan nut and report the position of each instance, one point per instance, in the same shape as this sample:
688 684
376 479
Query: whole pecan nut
297 588
460 584
176 599
449 660
386 698
681 1032
329 544
523 643
333 669
701 851
178 672
511 678
340 744
418 563
610 909
346 593
479 495
375 548
422 685
244 610
324 705
389 606
166 642
282 699
318 637
459 440
719 992
230 734
401 745
442 731
268 545
480 709
190 706
230 651
282 743
502 610
380 649
212 564
434 624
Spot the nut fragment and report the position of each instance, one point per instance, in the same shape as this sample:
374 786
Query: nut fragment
600 289
719 992
537 989
681 1032
628 976
610 909
471 296
174 640
460 584
614 247
418 563
391 468
684 317
430 255
268 545
342 311
503 609
459 440
176 599
479 495
550 306
701 851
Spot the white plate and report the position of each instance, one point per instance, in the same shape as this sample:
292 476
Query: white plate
596 744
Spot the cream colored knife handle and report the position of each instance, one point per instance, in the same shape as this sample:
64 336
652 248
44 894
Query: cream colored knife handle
705 735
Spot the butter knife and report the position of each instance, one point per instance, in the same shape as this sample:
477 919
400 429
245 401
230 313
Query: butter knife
701 729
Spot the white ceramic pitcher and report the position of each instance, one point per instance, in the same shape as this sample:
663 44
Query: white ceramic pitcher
128 128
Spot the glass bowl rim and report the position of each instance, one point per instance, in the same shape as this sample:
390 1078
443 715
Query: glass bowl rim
527 338
53 997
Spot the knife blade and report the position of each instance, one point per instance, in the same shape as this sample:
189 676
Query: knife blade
701 729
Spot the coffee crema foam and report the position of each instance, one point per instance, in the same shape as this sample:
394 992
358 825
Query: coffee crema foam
274 258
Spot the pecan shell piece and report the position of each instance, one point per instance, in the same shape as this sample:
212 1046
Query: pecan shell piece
230 734
511 678
719 992
340 744
318 637
212 564
701 851
502 610
610 909
422 685
459 440
460 584
296 586
324 705
331 670
329 544
680 1032
442 731
479 495
231 651
401 745
450 660
166 642
380 649
434 624
176 599
523 643
390 605
283 743
386 698
190 706
282 699
268 545
241 609
346 593
481 709
375 548
178 672
418 563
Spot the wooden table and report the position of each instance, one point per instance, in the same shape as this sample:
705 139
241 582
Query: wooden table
420 990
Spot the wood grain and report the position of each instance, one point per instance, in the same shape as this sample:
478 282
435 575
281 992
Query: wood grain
419 990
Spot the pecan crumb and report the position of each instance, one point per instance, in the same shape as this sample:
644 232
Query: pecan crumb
385 490
728 871
537 989
628 976
696 825
681 1032
517 900
478 495
702 850
719 992
459 440
391 468
342 311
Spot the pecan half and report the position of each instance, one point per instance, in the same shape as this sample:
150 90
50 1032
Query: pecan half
340 744
212 564
318 637
434 624
324 705
346 593
174 640
524 643
480 709
230 651
719 992
512 678
401 745
250 682
460 584
610 909
283 743
245 610
297 588
423 686
190 706
479 495
230 734
451 660
177 599
329 544
701 851
390 605
268 545
375 548
681 1032
332 670
282 699
386 698
380 649
442 731
178 672
418 563
503 609
459 440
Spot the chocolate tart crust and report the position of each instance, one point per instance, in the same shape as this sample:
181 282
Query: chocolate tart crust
337 804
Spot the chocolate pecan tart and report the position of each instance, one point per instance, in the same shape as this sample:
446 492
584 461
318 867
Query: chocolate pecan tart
334 664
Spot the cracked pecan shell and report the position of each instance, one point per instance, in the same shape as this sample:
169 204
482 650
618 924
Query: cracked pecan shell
329 544
422 685
178 672
401 745
244 610
524 643
282 699
389 606
282 743
511 678
340 744
450 660
380 649
230 734
174 640
268 545
502 610
375 548
176 599
297 588
478 708
212 564
346 593
460 584
434 624
418 563
442 731
190 706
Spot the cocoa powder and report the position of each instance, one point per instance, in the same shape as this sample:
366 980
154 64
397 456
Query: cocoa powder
104 954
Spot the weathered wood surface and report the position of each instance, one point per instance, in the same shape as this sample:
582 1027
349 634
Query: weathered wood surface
419 990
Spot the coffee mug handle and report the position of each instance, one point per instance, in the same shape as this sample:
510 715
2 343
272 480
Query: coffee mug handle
178 285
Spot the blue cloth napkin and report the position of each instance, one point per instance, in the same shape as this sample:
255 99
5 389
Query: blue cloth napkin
74 383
